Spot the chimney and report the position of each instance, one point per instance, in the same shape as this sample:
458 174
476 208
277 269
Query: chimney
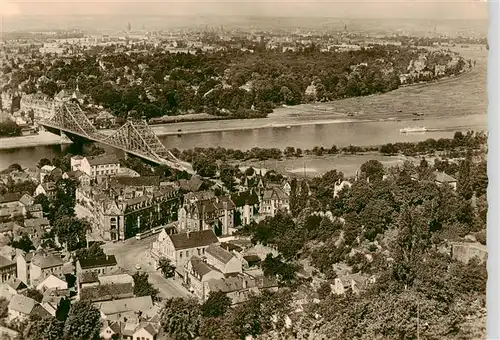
224 205
187 234
244 283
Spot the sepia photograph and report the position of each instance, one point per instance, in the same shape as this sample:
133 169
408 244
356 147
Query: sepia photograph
244 170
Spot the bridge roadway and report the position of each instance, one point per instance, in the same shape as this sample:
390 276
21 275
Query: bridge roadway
106 139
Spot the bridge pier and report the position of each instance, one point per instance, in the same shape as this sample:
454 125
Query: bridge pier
64 138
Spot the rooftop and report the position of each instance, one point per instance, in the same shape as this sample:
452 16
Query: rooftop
107 261
44 260
199 266
36 222
4 262
194 239
22 304
135 304
142 181
103 160
219 253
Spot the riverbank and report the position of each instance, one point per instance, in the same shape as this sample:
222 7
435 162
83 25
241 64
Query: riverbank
312 166
43 138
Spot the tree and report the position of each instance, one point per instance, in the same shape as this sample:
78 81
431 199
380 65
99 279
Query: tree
216 305
15 167
412 241
63 309
93 252
48 328
44 202
9 128
71 232
274 267
142 287
34 294
83 322
181 318
373 170
24 243
205 166
4 308
166 267
465 177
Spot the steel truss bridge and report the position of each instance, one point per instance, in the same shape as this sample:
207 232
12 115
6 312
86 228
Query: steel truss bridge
134 137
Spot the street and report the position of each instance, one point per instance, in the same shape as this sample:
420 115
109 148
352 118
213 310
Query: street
134 252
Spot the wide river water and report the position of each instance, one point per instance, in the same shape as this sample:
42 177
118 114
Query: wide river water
300 136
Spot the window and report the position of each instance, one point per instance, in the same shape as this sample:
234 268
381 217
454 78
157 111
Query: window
180 254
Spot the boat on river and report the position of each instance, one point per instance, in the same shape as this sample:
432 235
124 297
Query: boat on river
413 129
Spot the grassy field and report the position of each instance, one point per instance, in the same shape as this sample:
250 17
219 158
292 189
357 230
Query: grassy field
316 166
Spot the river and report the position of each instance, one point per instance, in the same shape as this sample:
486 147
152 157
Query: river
302 136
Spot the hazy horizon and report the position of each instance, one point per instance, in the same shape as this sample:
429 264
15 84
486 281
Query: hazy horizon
88 15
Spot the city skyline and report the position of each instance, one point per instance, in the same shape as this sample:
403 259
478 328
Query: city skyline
369 9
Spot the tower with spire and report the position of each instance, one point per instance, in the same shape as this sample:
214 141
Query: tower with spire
129 27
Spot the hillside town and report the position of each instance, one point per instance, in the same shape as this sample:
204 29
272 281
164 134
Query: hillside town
101 235
111 232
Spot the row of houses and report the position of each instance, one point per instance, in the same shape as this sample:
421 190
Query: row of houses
98 280
205 265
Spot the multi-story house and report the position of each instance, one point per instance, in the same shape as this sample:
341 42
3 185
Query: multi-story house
178 248
239 288
42 106
8 269
23 262
78 175
22 307
216 214
273 200
101 266
104 165
45 264
197 272
48 189
222 260
122 211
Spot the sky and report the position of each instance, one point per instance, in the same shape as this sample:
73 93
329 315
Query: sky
372 9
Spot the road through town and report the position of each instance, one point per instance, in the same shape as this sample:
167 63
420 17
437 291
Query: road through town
132 252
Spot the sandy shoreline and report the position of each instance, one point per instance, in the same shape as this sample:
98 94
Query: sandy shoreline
43 138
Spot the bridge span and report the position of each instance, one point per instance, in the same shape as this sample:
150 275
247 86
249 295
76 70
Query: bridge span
134 137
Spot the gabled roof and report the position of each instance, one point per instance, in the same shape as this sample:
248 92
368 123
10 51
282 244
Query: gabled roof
135 304
148 328
219 253
11 197
36 222
193 239
16 284
44 260
4 262
200 267
443 177
107 261
22 304
88 277
26 200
